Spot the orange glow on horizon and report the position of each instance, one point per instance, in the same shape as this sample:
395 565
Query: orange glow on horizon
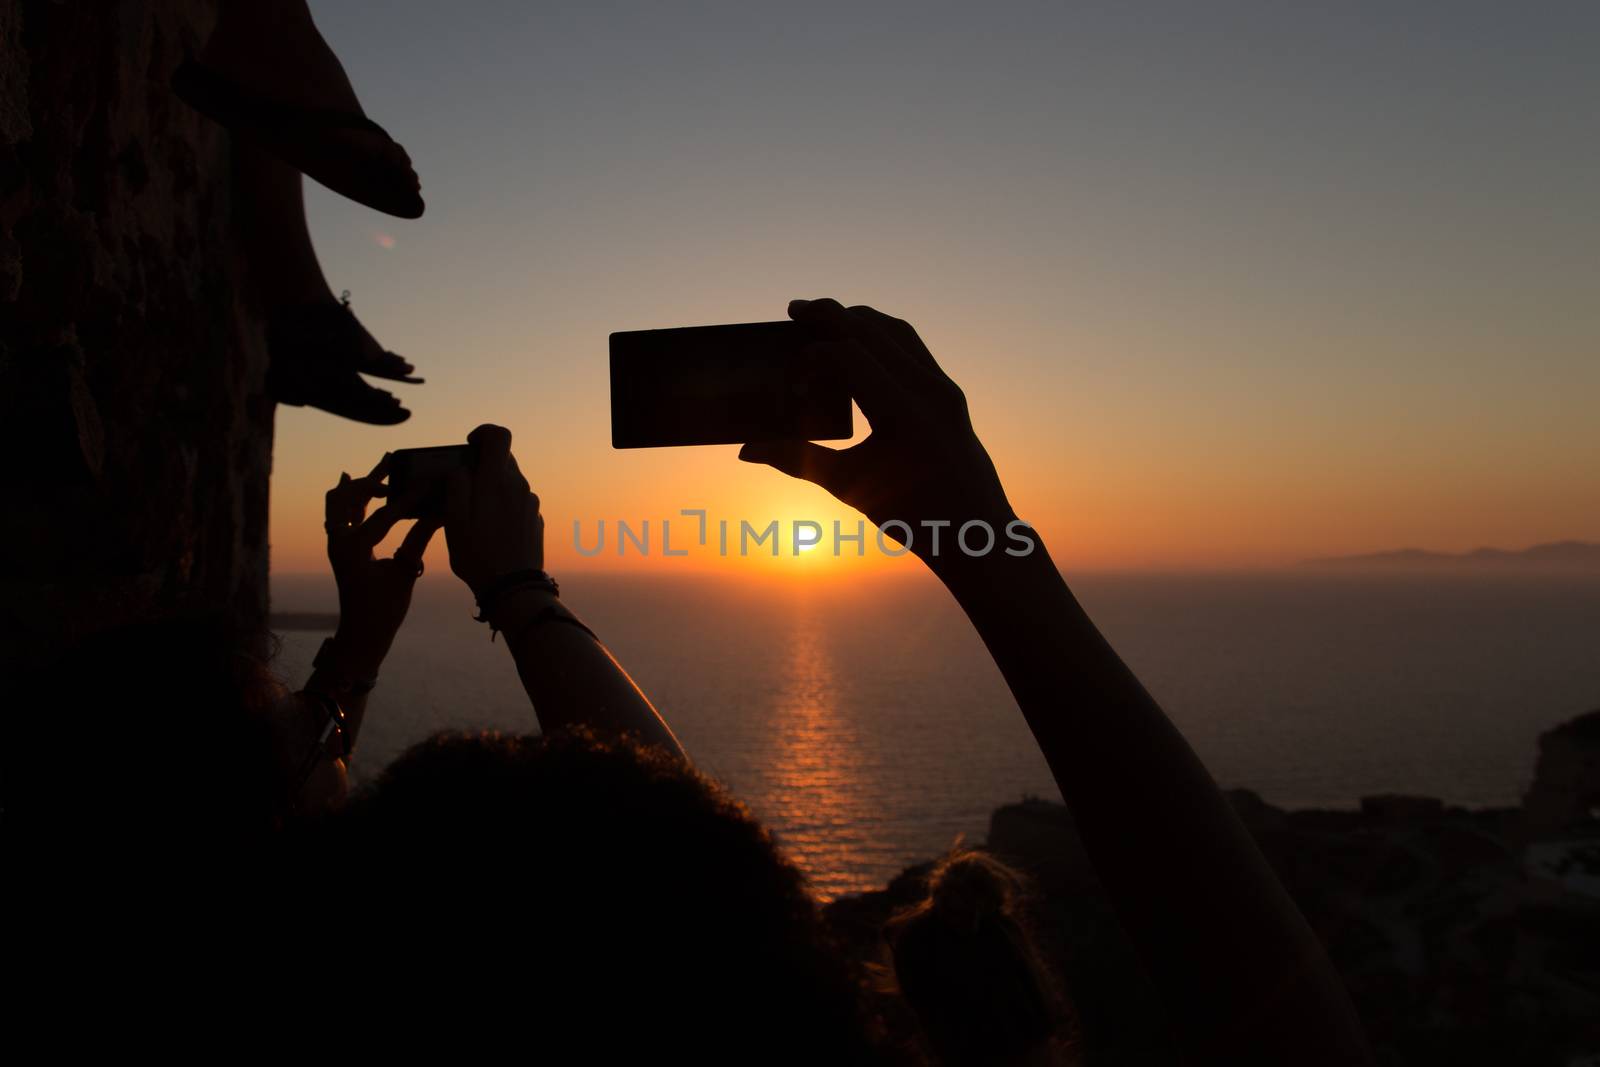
1149 476
1304 314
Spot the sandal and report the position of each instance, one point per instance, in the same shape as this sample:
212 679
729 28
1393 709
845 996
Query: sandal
291 132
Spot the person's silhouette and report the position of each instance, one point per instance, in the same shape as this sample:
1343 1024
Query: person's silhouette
268 75
965 959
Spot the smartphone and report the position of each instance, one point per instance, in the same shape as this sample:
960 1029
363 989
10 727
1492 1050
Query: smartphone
723 385
418 477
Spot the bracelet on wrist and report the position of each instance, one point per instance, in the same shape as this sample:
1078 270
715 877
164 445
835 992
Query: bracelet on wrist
492 594
495 596
334 726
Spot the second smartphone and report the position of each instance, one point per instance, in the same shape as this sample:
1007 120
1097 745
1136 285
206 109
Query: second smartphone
723 385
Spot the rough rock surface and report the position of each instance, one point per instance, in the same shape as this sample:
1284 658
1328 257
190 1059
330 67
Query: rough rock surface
1465 937
1565 796
131 366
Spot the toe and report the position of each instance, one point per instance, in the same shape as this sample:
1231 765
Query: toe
392 366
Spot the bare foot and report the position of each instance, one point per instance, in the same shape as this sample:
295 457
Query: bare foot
345 395
319 353
372 357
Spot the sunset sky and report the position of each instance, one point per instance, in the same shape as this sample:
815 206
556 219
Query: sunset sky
1226 284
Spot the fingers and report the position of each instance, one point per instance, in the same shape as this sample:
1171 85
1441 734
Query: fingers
493 464
827 316
458 499
371 533
490 440
415 543
336 505
882 371
346 503
901 333
891 341
861 324
871 386
492 446
806 460
868 327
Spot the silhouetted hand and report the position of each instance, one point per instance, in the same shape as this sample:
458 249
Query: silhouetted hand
922 461
492 522
374 594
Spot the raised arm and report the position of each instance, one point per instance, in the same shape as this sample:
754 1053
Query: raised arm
374 596
496 538
1242 975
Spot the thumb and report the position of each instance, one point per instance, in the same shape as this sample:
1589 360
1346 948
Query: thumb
799 459
416 541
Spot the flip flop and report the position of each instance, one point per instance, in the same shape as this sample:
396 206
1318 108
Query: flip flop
289 131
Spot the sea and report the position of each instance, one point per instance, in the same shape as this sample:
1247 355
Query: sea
867 727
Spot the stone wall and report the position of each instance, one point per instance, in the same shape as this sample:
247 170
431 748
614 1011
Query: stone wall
131 367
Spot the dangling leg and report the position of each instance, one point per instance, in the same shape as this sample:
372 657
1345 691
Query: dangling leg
268 75
319 349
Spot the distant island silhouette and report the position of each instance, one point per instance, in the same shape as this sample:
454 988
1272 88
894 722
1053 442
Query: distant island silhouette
1564 555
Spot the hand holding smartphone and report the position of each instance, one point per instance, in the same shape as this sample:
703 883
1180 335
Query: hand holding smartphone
698 385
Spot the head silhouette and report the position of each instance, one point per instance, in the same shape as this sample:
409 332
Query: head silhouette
608 892
966 962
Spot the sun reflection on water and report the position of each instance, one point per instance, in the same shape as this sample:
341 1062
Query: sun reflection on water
817 767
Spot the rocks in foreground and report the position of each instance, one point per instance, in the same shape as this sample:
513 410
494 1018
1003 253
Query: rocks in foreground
1464 936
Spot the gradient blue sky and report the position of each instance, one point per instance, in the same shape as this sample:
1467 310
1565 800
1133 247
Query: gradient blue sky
1226 284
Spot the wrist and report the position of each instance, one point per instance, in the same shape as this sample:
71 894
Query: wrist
1007 571
486 574
494 595
502 581
516 607
352 655
981 537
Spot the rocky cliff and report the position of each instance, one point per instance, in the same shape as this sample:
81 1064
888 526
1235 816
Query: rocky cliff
131 367
1465 937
